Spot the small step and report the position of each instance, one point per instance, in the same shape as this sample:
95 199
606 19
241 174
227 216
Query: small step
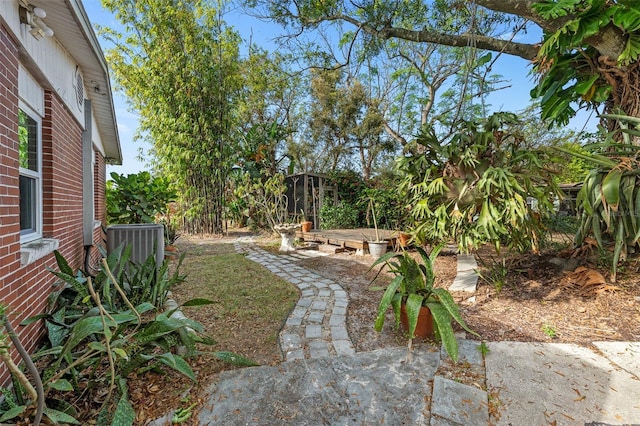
331 249
309 246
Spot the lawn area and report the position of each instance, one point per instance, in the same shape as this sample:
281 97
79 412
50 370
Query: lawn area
250 306
250 303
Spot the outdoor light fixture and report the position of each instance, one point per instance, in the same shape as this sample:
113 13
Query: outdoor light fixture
33 17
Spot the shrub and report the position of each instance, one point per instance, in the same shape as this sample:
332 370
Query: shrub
340 216
137 198
101 329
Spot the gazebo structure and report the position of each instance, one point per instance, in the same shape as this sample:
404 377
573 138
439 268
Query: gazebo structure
306 194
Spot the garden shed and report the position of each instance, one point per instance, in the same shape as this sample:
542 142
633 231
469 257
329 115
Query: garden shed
569 205
306 194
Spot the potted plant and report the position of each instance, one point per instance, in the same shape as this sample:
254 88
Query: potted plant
305 224
412 290
171 235
377 247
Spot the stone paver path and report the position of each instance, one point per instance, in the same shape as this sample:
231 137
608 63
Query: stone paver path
317 326
514 383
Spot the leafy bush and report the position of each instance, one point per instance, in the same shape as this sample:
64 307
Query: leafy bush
102 329
137 198
340 216
391 211
474 187
350 186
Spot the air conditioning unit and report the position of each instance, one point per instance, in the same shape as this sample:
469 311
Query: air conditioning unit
145 239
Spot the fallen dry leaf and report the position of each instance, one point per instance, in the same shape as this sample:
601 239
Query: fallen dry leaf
586 282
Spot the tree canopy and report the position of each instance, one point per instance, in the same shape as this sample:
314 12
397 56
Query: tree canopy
588 53
178 64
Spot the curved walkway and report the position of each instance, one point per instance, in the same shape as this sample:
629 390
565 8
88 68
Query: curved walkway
514 382
317 326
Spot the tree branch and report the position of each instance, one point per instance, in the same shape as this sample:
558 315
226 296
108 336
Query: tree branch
523 50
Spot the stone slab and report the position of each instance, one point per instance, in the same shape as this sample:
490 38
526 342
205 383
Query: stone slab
623 354
318 349
378 387
465 281
560 384
343 347
468 353
313 331
463 404
466 262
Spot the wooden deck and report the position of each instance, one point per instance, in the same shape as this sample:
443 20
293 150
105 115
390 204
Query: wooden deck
349 238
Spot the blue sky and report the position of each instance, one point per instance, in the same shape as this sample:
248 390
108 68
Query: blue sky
513 69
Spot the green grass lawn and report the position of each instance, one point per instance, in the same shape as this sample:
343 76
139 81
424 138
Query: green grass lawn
250 303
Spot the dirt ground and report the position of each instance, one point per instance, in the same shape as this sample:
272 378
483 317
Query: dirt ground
526 298
540 299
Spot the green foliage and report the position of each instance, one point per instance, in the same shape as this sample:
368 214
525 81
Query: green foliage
474 188
391 209
609 200
137 198
178 65
265 199
23 138
259 149
483 349
340 216
549 330
574 168
567 65
349 184
495 273
413 285
98 337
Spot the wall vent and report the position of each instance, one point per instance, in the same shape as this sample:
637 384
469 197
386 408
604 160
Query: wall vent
145 240
78 85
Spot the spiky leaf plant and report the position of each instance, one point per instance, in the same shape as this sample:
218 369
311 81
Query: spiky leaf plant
413 285
609 200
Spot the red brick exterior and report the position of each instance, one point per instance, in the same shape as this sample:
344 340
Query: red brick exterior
62 178
24 289
9 196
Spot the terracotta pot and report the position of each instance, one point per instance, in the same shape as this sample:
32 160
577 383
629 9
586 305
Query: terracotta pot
403 239
424 328
306 226
170 252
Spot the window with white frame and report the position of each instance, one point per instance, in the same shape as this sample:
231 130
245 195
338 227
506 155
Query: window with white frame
29 135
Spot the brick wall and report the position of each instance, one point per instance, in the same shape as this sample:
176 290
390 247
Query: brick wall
24 289
62 178
9 196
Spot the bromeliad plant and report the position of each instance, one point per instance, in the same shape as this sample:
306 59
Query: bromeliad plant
609 200
413 285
